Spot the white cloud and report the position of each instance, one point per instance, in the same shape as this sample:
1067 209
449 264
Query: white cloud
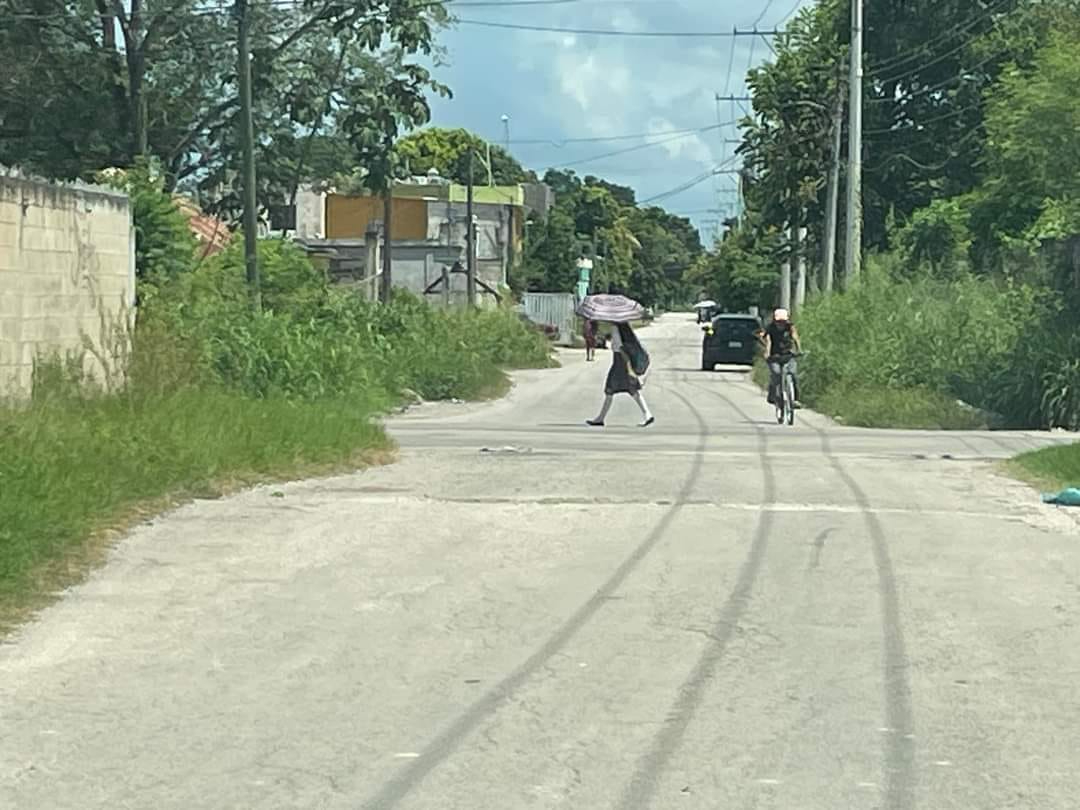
561 86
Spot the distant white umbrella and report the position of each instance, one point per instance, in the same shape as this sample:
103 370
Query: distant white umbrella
705 304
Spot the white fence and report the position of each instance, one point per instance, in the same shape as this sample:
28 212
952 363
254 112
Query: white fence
553 309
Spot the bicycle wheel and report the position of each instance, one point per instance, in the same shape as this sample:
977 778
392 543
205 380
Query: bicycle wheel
789 399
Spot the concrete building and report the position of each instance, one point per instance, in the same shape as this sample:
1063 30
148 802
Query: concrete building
428 232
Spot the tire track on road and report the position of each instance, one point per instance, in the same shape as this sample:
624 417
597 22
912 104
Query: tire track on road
899 756
446 742
900 773
642 788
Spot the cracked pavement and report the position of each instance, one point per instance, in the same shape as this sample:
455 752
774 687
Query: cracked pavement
524 612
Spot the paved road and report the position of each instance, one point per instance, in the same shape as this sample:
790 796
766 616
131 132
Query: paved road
717 612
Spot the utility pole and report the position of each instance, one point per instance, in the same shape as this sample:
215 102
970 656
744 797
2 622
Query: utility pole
247 139
853 247
800 270
785 277
832 206
470 238
386 285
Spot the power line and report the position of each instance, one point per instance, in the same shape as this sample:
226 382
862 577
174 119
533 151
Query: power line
606 32
943 84
790 14
686 186
560 142
960 28
912 71
898 128
637 148
682 187
764 11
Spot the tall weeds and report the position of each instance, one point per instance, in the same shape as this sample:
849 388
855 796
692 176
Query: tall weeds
994 344
206 393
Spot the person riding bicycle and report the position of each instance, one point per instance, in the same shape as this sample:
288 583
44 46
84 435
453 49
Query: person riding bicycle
781 346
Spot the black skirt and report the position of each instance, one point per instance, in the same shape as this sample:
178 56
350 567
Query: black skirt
619 378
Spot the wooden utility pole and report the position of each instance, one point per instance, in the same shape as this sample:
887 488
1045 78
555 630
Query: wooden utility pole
470 238
247 140
387 281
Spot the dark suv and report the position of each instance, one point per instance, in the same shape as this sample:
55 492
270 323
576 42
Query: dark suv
730 339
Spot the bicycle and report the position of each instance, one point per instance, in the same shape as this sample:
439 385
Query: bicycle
785 404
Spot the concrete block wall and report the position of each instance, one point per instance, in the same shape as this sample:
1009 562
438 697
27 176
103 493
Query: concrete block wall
67 275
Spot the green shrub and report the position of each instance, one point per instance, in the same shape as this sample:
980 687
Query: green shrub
987 342
218 393
164 243
938 237
907 408
313 340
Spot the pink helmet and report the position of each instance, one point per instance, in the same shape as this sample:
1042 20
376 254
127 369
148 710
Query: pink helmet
781 315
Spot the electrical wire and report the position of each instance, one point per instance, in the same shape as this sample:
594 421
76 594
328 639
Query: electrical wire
943 84
560 142
919 68
961 28
684 187
638 148
764 11
790 14
607 32
897 128
875 169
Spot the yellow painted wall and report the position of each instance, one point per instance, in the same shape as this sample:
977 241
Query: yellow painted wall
348 217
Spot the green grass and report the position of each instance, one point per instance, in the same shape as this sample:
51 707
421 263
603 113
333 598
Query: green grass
905 408
876 406
1053 468
70 471
217 397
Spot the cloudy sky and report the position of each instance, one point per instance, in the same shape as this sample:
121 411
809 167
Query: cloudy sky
557 86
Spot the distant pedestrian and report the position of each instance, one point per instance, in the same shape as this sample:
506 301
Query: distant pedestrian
629 364
590 340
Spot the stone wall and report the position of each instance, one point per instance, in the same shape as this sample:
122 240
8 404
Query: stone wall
67 279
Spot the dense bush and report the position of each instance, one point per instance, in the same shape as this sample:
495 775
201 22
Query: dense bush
994 344
164 244
314 340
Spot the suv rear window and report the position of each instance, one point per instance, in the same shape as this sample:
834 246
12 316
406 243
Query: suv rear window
734 328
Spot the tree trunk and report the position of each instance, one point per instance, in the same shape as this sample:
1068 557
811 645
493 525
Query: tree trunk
135 54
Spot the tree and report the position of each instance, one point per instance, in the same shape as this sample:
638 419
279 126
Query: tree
741 272
642 252
164 243
927 64
121 80
448 152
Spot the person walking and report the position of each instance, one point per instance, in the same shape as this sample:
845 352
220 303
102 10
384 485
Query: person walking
629 364
590 340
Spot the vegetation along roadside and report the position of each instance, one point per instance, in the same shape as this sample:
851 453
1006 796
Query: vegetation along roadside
217 396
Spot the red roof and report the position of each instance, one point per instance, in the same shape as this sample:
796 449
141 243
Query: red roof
213 234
